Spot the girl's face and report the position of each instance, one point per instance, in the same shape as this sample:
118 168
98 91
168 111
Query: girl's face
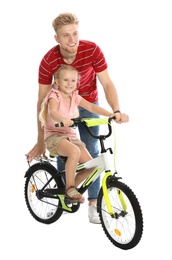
67 81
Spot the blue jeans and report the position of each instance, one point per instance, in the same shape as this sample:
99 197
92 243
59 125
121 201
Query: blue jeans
92 147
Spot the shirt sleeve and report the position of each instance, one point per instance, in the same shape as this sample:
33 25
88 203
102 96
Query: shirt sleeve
45 73
99 63
53 94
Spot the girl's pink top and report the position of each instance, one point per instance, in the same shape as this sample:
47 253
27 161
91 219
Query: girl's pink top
66 110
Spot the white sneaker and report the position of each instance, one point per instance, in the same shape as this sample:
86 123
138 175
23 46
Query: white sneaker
93 214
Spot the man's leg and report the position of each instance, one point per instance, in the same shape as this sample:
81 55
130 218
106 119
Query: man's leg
60 164
93 148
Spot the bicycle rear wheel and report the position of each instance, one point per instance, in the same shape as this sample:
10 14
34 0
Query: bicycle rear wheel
125 228
42 208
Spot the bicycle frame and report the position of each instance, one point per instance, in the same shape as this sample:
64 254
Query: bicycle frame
99 164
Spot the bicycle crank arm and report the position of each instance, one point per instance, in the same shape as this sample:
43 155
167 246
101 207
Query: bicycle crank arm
49 193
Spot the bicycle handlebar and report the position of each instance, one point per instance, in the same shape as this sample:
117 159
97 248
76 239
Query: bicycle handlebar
89 122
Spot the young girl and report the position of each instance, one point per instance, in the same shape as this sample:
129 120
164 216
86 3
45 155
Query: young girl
60 105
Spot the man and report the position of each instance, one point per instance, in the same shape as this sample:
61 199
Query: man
89 60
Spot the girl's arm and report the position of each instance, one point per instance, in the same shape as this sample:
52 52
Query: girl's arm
94 108
57 117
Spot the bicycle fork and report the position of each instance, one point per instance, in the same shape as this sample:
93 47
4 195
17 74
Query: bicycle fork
106 196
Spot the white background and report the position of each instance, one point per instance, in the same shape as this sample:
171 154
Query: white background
135 37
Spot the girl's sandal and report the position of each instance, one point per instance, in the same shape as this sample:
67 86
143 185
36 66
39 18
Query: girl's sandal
71 195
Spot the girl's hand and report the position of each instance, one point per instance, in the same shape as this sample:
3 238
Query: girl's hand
67 121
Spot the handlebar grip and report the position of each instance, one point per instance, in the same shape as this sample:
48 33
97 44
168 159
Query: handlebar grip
76 121
112 118
59 124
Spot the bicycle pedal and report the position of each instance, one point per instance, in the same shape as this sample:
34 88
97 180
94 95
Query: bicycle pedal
70 201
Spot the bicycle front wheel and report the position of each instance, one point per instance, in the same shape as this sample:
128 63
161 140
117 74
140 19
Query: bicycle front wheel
124 227
39 180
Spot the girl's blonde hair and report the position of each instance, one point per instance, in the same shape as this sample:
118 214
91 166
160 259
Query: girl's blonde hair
44 106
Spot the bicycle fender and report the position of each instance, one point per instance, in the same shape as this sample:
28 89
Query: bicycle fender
31 169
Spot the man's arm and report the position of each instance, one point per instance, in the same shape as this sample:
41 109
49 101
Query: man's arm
39 148
111 94
42 92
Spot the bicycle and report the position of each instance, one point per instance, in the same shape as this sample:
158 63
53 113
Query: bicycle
118 207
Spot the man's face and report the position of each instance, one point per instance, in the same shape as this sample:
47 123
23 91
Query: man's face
68 38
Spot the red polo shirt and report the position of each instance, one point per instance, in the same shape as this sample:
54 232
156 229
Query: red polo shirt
89 61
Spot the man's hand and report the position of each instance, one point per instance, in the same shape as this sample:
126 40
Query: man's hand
36 152
121 118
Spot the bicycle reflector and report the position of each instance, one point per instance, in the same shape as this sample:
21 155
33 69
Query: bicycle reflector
33 188
117 232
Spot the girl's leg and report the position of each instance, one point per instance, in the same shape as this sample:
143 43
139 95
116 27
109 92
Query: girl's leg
84 157
72 152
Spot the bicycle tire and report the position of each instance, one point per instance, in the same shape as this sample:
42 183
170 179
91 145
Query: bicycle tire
124 231
45 210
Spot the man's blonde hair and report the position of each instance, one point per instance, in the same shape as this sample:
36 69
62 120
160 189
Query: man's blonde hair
64 19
